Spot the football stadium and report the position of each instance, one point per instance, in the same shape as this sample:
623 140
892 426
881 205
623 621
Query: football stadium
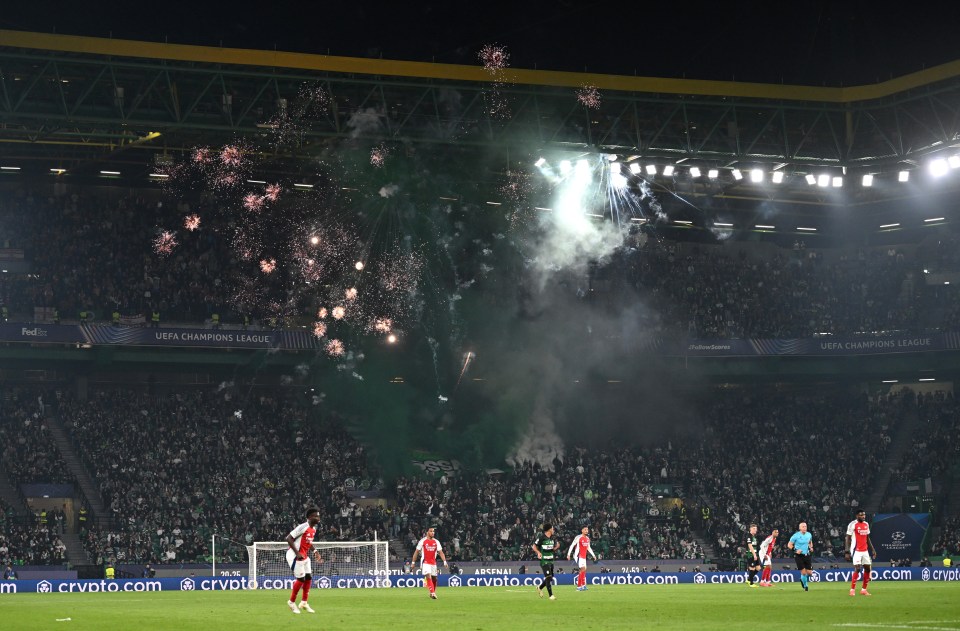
487 318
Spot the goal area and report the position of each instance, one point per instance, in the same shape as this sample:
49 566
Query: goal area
354 559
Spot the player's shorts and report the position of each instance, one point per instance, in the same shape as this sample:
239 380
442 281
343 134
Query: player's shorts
547 569
582 562
804 561
767 561
428 569
751 562
299 568
861 557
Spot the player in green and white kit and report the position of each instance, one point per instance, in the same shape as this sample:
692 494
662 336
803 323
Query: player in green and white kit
546 548
750 556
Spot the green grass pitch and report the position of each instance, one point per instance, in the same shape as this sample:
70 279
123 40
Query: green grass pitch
921 606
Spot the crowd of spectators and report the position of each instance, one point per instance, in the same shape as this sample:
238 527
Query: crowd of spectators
35 543
948 543
175 469
935 446
782 459
27 449
92 254
495 517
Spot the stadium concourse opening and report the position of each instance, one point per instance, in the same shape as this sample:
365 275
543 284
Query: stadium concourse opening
299 323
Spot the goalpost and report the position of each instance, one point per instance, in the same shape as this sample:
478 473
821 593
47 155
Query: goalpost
354 559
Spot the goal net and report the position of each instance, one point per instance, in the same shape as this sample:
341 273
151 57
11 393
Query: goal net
353 559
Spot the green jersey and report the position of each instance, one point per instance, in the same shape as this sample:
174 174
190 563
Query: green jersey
751 540
548 547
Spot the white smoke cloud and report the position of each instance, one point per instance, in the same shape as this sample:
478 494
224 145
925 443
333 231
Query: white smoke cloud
541 443
365 122
389 190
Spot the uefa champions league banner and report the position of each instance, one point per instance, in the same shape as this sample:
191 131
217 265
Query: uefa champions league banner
898 535
102 334
98 334
410 581
824 346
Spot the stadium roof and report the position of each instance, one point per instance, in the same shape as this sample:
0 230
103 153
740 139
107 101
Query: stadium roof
74 101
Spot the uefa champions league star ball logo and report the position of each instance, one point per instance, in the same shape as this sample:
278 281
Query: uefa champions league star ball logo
815 576
324 582
925 574
187 585
454 581
44 587
699 578
898 536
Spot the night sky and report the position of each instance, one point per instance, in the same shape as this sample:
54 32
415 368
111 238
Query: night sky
815 43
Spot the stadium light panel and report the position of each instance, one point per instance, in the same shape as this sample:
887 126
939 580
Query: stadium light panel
694 171
668 170
565 167
903 176
938 167
618 180
737 175
651 169
109 172
539 163
713 174
58 171
159 175
683 222
928 378
756 175
954 162
933 219
837 181
762 227
722 225
811 179
890 225
635 168
256 181
823 180
615 168
868 180
777 177
9 168
806 229
891 381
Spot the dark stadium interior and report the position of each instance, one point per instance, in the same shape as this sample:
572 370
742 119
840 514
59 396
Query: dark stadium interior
412 284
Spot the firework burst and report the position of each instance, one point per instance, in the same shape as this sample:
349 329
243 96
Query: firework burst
338 313
589 97
232 156
322 313
267 266
334 348
191 222
253 202
164 243
319 329
351 293
495 58
272 192
378 156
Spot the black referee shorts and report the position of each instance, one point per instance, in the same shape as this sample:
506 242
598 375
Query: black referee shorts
547 569
804 561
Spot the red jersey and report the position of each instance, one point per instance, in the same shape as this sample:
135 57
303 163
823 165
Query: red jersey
860 530
429 549
582 544
303 538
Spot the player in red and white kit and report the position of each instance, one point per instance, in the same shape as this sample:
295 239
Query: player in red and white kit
859 532
766 558
300 541
430 548
582 545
